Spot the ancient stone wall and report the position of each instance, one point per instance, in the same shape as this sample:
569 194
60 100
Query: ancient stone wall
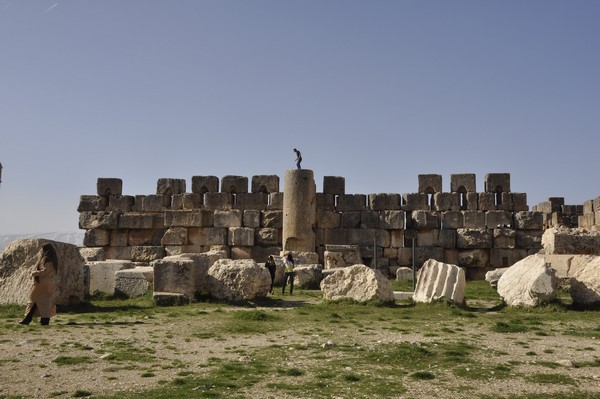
475 230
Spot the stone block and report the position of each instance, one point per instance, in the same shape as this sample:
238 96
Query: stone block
438 280
109 186
446 202
526 220
498 218
474 219
519 201
177 202
428 238
267 237
477 258
529 239
119 238
351 202
205 184
135 221
96 238
451 256
272 219
241 236
430 184
588 207
405 256
234 184
134 282
474 238
138 204
335 185
391 220
382 202
369 220
92 254
447 238
497 183
175 274
423 220
232 218
486 201
463 183
325 202
190 201
175 236
98 220
218 201
207 236
502 257
123 253
415 202
195 218
265 184
504 238
147 253
452 220
328 219
101 275
275 201
241 252
156 203
122 203
167 186
251 218
170 299
423 254
397 238
351 220
504 201
92 203
251 201
470 202
145 237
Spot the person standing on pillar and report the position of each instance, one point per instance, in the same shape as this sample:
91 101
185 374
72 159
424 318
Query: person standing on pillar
289 274
41 298
298 158
0 172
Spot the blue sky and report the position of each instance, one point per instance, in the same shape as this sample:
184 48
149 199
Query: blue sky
375 91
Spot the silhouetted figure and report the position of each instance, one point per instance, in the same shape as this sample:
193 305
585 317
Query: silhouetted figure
271 266
298 158
289 274
0 172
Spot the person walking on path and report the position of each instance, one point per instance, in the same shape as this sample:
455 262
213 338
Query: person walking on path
41 298
298 158
289 273
271 266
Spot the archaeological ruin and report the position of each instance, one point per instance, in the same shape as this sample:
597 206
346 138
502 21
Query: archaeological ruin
251 219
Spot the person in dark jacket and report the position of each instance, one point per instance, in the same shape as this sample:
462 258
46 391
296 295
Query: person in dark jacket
270 264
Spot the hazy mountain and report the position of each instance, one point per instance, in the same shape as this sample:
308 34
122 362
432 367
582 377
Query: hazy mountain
71 237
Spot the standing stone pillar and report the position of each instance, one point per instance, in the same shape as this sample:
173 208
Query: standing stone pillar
299 210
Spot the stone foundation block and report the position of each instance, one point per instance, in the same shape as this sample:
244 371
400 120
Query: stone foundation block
101 275
134 282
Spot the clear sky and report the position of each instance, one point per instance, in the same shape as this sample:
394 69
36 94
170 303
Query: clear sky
375 91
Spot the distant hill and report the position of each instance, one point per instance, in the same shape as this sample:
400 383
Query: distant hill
71 237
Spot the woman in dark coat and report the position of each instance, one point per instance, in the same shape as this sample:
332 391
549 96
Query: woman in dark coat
41 298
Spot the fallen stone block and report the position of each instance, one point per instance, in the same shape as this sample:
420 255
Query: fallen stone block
438 280
357 282
529 282
134 282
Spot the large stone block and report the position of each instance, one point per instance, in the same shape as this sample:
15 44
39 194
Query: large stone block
452 220
156 203
359 283
190 201
474 219
272 219
232 218
529 239
175 274
251 218
195 218
207 236
422 254
109 186
234 184
351 202
92 203
175 236
474 258
383 202
397 238
267 237
123 253
474 238
502 257
504 238
119 238
391 220
463 183
147 253
218 200
571 241
470 201
251 201
369 220
446 201
335 185
328 219
325 202
447 238
205 184
241 236
529 220
134 282
430 184
428 238
135 221
498 219
238 280
497 183
98 220
145 237
96 238
351 220
168 187
504 201
486 201
423 220
265 184
438 280
519 201
275 201
529 282
101 275
121 203
20 257
415 202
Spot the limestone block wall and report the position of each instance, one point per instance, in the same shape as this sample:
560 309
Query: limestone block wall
475 230
557 214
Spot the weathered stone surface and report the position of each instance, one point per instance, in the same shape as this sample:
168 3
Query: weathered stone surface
170 299
207 236
195 218
438 280
493 276
134 282
174 274
415 202
341 256
299 210
121 203
423 220
585 286
19 259
144 253
265 184
529 282
92 203
175 236
334 185
234 184
473 238
358 282
168 186
328 219
241 236
504 237
135 221
430 183
205 184
473 258
571 241
238 280
201 263
308 276
92 254
529 220
404 274
498 219
106 186
101 275
96 238
98 220
391 220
